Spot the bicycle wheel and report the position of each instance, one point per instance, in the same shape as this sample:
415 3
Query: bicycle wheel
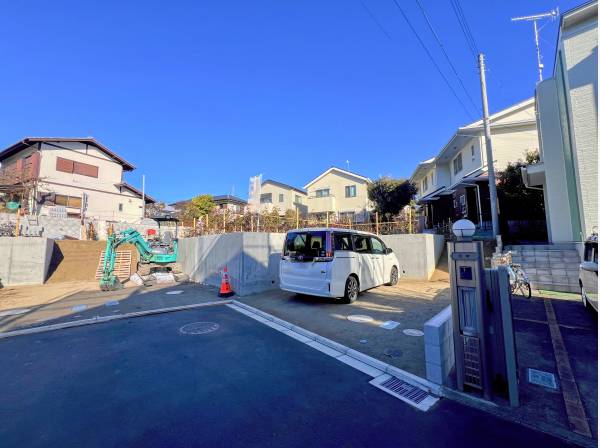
521 289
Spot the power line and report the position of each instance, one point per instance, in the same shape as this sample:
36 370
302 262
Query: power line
431 58
374 19
464 26
430 25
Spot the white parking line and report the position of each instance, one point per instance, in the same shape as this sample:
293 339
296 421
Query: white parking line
359 361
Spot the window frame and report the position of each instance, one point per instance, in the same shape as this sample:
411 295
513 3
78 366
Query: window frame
350 189
457 161
264 196
319 192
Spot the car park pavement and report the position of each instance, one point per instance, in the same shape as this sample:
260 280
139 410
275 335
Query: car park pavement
148 381
409 304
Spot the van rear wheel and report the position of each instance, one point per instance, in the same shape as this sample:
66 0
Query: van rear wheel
351 290
393 277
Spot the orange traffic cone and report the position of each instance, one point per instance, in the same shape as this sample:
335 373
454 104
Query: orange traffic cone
225 290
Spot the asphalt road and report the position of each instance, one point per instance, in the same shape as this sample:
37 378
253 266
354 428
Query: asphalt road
140 382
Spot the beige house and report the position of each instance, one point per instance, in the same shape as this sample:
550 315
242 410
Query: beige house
339 193
73 176
283 196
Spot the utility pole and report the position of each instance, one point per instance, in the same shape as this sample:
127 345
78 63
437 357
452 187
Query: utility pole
143 196
553 15
488 148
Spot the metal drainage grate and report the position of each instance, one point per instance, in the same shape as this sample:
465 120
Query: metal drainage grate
404 389
199 328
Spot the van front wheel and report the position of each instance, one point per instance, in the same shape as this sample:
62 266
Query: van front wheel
351 290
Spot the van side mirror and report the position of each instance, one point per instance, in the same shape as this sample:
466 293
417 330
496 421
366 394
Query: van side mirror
388 250
589 266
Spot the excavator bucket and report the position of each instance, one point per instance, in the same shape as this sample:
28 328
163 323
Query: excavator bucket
110 283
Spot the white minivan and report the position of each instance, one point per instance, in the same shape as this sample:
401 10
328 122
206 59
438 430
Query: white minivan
588 273
331 262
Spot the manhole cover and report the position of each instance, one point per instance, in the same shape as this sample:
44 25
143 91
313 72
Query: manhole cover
14 312
393 353
541 378
199 328
359 318
413 332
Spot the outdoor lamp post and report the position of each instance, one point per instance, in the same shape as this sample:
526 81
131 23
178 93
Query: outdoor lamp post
463 229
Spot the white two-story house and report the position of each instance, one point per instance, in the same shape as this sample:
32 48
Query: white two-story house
339 194
567 106
454 183
73 177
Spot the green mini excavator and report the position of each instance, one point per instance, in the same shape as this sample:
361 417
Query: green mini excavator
159 252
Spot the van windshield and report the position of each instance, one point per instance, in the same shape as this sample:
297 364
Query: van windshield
306 245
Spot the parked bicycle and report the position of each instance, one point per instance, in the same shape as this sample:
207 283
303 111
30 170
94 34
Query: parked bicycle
519 282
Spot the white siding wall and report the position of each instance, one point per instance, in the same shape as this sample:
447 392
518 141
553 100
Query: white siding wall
511 145
581 62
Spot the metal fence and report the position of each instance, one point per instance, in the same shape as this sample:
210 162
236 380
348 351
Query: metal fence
252 222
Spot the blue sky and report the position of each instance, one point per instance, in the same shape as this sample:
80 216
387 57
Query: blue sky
202 95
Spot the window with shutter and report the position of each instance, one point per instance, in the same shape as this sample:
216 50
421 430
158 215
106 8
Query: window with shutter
85 169
64 165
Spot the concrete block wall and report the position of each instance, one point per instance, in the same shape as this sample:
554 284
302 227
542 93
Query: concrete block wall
203 258
439 346
24 260
417 254
252 260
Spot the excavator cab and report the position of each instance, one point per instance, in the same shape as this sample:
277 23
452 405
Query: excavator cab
158 253
164 241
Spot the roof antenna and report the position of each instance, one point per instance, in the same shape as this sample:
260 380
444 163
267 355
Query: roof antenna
534 18
348 164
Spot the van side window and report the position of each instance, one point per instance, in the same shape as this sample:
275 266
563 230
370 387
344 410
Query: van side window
342 241
377 245
361 243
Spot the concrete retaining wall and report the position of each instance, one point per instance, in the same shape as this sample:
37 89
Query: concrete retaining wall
252 260
24 260
439 346
418 254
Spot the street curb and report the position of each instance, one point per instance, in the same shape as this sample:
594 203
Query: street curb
385 368
99 320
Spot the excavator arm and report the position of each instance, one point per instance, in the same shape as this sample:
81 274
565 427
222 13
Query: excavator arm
109 281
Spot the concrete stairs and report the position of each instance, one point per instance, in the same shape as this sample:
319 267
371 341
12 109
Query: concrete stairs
74 260
552 267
